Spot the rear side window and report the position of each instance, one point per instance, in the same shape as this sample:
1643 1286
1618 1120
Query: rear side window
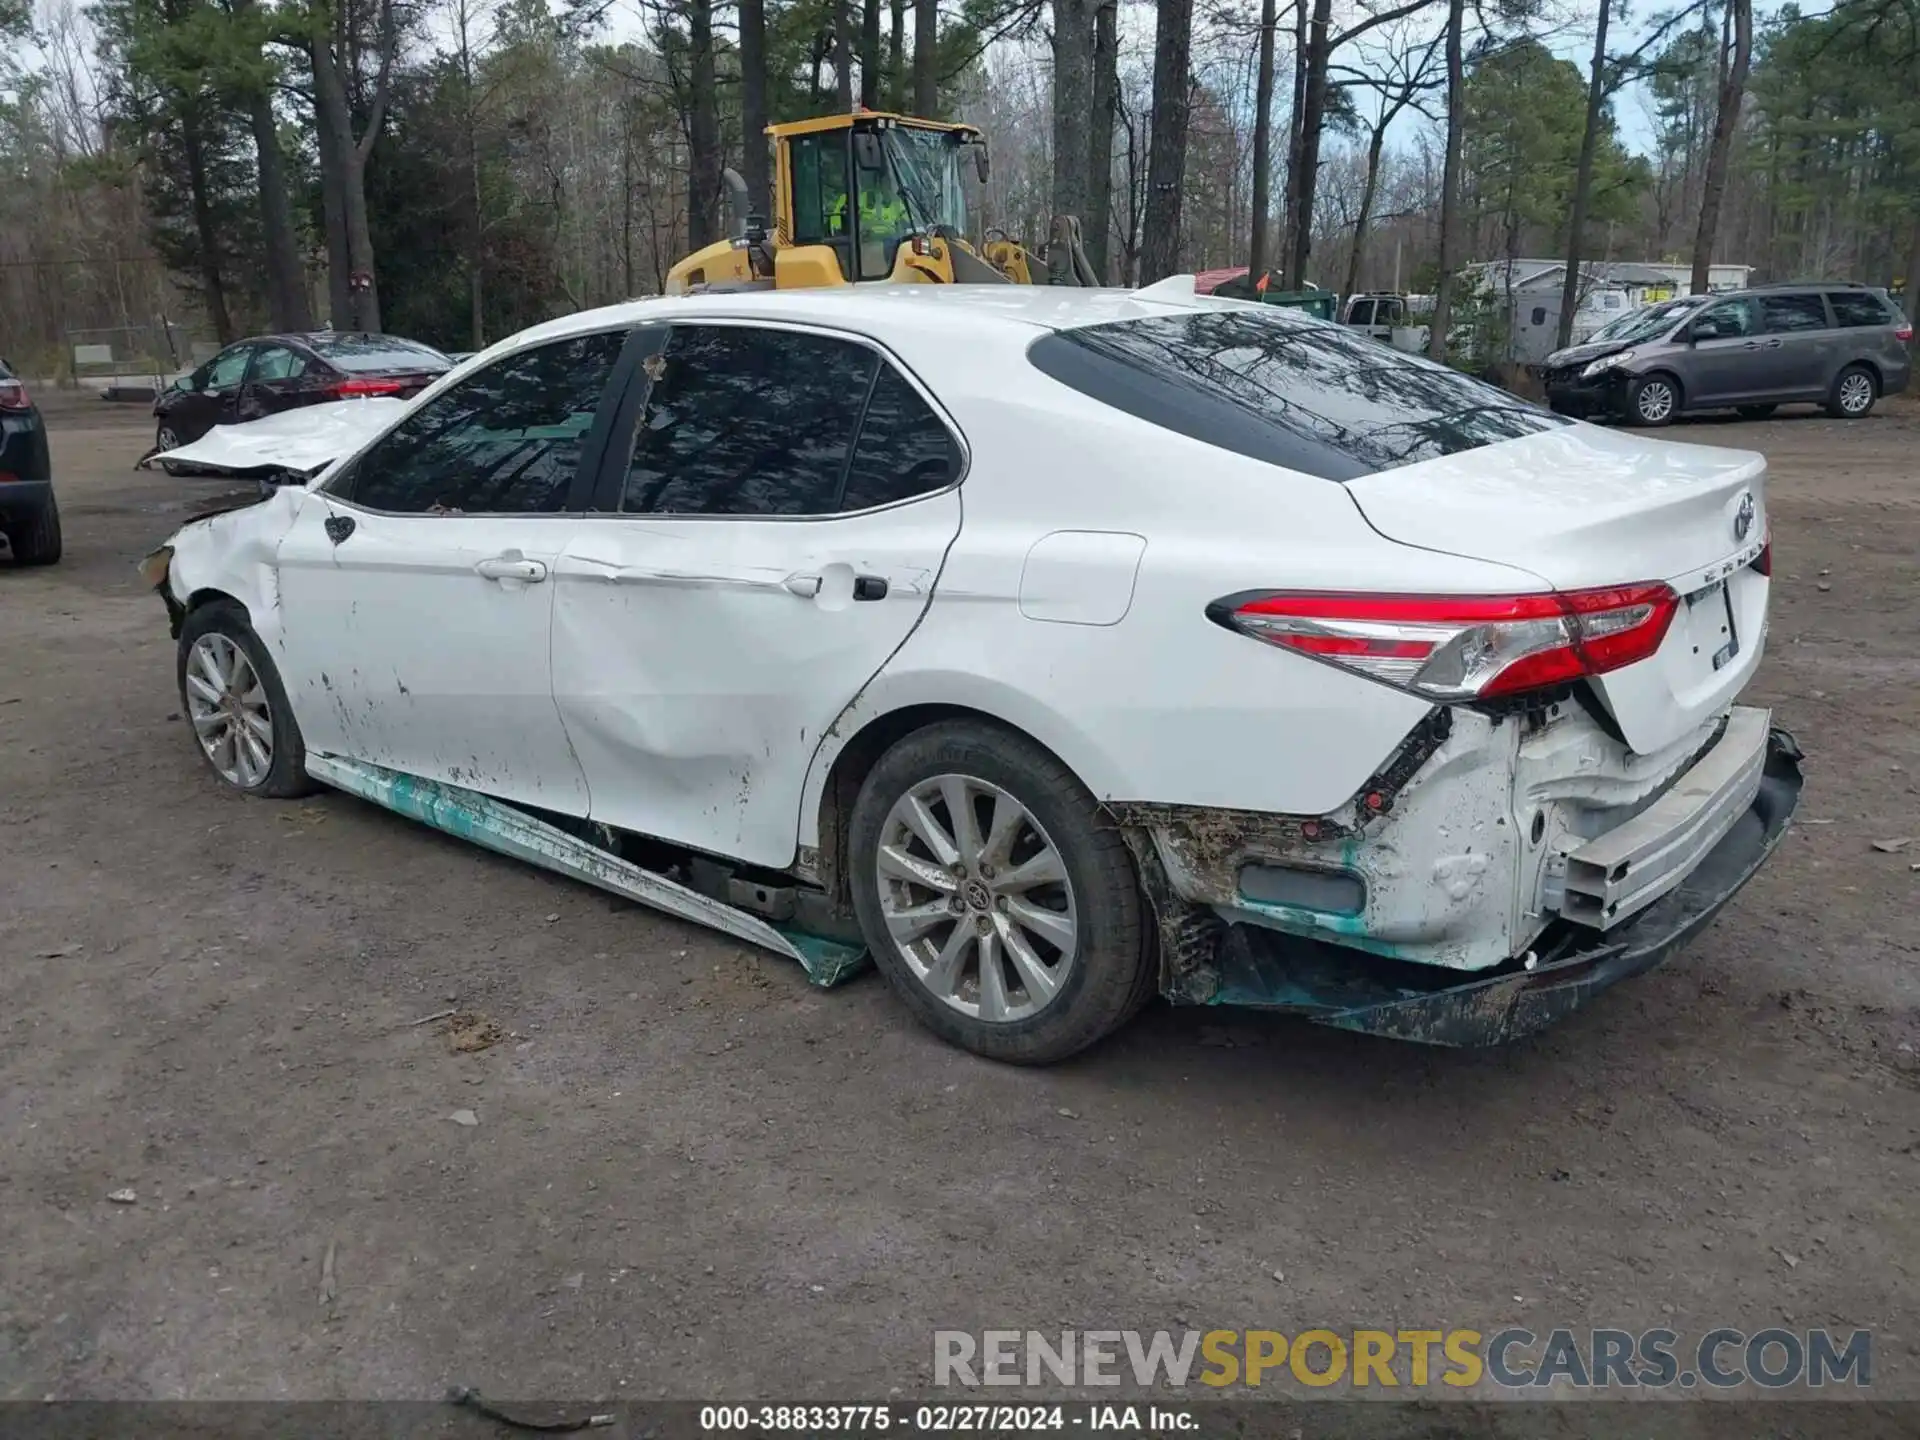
1282 387
745 421
379 354
505 441
1787 313
1854 309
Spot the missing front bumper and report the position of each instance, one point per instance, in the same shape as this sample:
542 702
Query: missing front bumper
1334 985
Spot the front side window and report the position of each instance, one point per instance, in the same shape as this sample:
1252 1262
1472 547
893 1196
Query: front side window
1855 309
227 368
505 441
1729 320
1786 313
744 421
1282 387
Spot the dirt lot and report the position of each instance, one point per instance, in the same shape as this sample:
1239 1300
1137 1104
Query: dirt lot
694 1176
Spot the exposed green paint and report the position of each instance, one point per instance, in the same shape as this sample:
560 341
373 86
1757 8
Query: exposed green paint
827 962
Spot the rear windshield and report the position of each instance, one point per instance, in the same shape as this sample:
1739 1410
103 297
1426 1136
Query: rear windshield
1283 387
361 354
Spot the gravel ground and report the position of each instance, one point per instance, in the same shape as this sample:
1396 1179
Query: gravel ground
694 1176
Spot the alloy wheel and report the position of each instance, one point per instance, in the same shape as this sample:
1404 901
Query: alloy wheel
1655 401
227 703
1856 393
976 898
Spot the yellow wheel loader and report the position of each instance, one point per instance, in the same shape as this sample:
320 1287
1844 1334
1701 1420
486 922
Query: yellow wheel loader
871 198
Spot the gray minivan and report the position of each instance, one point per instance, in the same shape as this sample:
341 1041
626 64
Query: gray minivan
1841 346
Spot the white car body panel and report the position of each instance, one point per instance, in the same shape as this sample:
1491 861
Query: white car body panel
397 651
300 441
664 676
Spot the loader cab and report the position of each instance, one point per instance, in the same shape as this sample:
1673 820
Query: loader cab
857 187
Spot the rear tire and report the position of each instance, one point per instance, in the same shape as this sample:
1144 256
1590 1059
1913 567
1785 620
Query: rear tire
38 541
1652 400
1016 932
231 695
1854 392
1755 412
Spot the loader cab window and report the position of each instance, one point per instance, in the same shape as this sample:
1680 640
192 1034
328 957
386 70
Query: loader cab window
822 199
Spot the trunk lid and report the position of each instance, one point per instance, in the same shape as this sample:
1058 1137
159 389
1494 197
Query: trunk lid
1580 506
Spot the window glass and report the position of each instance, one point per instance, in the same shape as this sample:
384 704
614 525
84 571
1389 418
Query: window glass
277 362
225 370
1361 314
1855 308
379 354
743 421
1729 319
504 442
904 450
819 187
1794 312
1285 388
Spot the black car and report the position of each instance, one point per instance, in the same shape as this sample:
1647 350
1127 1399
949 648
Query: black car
28 516
271 373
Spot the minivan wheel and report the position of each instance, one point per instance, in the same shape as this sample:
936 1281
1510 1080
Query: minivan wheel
238 709
997 899
1853 393
1653 400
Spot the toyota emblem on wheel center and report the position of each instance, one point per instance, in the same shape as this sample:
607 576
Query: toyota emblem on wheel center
1743 517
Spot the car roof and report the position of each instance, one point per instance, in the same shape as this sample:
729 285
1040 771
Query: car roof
953 311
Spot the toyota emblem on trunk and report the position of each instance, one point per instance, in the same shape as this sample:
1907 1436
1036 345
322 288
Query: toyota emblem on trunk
1743 517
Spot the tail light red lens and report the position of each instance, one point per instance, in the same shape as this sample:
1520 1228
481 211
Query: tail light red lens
1904 334
1463 647
13 396
349 389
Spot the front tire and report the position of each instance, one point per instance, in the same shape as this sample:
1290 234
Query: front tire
997 899
38 541
165 437
1854 392
1653 400
232 697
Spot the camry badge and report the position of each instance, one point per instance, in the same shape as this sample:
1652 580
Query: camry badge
1743 517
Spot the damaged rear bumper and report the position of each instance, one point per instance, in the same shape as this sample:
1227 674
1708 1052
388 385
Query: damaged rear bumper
1336 985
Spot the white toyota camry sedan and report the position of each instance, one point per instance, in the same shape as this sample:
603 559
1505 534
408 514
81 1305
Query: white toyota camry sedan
1053 647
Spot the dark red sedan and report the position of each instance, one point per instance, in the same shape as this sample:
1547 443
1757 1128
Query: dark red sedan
271 373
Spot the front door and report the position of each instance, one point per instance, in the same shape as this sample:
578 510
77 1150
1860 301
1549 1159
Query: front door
215 397
775 538
417 589
1727 361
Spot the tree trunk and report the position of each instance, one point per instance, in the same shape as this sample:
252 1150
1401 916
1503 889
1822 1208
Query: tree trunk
287 304
204 229
1375 143
1910 297
926 84
1167 144
1313 106
1290 203
1583 179
1106 96
1262 141
333 217
870 54
753 107
348 157
1733 86
896 54
1072 106
1449 184
703 129
843 54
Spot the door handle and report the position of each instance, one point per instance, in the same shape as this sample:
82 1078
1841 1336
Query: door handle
1751 345
869 587
805 586
511 566
1773 344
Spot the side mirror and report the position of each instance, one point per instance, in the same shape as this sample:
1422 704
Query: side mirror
866 151
980 163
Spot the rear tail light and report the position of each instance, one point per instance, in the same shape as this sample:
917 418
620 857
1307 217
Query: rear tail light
1904 334
350 389
1463 647
1763 562
13 396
